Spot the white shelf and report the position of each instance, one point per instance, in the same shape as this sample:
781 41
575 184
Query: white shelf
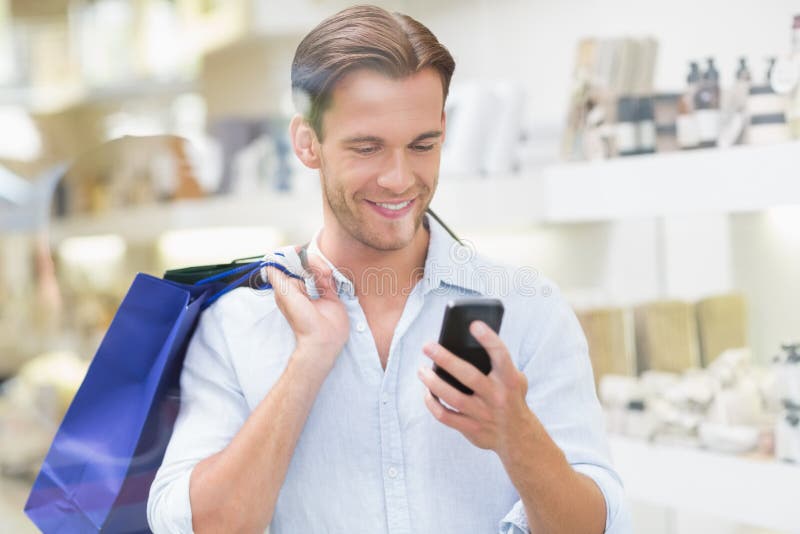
296 214
753 491
464 204
734 180
738 179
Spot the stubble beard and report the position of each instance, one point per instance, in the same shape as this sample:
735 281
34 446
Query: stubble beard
354 225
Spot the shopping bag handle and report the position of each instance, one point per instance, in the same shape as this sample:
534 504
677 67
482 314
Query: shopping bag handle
248 270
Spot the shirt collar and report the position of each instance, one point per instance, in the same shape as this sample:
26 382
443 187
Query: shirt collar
447 262
450 262
343 284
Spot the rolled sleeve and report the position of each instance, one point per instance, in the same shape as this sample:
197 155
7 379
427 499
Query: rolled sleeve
515 521
212 411
561 393
618 519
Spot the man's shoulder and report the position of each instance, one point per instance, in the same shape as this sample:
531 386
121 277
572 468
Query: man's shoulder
505 280
242 308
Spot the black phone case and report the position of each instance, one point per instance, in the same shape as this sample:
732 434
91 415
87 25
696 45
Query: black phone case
456 338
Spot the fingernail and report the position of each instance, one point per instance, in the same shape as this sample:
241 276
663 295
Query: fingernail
478 328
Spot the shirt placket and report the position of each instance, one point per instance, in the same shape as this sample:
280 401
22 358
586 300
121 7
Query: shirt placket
392 456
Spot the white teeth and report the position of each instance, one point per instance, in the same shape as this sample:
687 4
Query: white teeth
394 206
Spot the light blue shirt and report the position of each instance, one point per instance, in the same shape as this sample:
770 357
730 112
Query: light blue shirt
371 457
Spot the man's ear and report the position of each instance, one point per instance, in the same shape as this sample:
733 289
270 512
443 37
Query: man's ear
304 142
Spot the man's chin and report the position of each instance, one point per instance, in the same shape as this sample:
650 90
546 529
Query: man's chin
395 238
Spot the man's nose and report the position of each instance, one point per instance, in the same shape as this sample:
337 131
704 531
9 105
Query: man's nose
398 177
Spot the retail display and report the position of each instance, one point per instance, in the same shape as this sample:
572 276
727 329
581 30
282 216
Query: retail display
608 332
610 113
722 407
721 325
615 110
666 336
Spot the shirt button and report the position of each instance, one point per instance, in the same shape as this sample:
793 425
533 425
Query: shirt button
392 472
385 398
360 326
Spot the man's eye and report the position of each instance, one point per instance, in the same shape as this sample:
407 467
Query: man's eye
365 150
423 148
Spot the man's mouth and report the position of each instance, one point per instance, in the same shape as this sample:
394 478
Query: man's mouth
392 209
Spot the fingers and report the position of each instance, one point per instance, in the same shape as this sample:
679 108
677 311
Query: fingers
322 277
448 417
470 405
289 292
502 365
462 370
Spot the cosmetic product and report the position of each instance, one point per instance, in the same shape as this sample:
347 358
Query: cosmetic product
735 121
793 112
646 125
627 126
721 324
666 336
665 115
767 112
609 333
706 101
687 128
787 437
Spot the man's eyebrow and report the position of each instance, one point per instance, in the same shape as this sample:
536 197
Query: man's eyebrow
375 139
427 135
362 139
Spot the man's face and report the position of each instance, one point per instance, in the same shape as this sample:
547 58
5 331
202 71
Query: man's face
379 159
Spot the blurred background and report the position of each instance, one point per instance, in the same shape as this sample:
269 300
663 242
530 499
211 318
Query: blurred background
644 155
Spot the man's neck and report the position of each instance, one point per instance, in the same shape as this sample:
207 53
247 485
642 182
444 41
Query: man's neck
375 272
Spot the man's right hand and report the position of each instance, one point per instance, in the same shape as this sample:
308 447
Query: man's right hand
321 327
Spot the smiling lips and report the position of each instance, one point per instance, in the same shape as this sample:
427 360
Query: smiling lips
392 210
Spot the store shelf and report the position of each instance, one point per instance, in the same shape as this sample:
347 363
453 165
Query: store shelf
753 491
297 213
737 179
463 203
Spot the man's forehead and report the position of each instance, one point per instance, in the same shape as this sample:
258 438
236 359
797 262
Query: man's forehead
364 101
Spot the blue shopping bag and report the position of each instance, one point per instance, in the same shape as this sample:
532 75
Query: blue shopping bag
97 474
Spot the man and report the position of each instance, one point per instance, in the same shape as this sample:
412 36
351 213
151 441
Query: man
321 414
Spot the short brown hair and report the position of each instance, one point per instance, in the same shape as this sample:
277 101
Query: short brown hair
362 37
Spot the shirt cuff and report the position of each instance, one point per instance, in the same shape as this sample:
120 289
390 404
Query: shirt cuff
618 519
171 513
515 521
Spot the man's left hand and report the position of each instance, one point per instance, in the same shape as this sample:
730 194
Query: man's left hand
496 415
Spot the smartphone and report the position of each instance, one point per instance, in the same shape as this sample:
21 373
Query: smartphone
456 338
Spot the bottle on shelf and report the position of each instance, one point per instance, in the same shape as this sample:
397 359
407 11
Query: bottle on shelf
767 112
686 124
734 123
793 111
706 102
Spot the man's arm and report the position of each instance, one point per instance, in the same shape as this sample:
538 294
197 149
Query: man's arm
557 499
236 489
225 465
